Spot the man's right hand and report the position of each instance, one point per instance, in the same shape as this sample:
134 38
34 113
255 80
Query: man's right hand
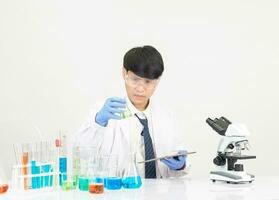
112 106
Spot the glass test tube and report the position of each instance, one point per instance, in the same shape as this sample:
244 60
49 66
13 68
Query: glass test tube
25 159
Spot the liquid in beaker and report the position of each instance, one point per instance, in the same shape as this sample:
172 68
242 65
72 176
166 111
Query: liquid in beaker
96 175
112 180
81 158
3 188
131 178
96 188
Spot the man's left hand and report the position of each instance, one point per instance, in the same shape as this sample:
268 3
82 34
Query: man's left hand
175 163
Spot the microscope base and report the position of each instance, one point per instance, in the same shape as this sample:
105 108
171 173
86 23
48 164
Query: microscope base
231 177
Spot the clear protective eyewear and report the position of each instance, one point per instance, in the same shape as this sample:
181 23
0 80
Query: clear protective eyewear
135 81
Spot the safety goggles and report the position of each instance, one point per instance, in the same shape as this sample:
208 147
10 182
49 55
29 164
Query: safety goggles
135 81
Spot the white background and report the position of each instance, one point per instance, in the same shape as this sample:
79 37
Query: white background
57 58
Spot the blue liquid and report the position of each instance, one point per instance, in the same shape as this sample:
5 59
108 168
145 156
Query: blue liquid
62 169
83 183
105 182
98 180
132 182
38 179
113 183
33 171
46 180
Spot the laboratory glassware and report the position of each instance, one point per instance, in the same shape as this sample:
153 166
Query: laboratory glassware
96 175
81 159
131 178
109 164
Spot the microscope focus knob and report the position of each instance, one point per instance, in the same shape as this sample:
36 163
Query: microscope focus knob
238 167
219 160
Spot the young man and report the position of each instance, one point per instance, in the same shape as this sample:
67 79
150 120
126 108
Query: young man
148 131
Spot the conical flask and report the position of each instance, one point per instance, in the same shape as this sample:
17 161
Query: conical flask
131 178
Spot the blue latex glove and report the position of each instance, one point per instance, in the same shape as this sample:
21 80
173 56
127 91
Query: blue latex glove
112 106
175 163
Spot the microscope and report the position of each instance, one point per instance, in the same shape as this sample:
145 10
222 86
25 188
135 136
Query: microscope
234 141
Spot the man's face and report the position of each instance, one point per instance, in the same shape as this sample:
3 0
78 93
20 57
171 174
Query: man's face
139 90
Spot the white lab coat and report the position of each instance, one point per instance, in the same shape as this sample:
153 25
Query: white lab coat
119 137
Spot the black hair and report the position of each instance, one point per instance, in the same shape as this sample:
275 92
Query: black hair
145 62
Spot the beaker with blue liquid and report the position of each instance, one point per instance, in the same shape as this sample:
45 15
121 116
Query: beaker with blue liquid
81 158
131 178
109 166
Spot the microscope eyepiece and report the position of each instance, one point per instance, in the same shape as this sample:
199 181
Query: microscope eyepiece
219 125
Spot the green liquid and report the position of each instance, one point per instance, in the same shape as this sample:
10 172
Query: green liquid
68 185
126 114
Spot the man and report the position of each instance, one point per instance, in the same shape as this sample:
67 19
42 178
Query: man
148 131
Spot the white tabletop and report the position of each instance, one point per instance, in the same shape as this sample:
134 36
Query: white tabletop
263 188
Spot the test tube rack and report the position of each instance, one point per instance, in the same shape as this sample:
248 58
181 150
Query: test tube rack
39 176
37 166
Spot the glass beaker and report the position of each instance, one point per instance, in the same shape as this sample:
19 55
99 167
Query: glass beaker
131 178
109 166
81 157
83 182
96 175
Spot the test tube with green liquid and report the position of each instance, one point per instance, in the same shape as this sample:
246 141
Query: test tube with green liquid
126 114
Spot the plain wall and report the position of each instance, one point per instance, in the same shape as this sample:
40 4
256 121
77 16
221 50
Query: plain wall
221 59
